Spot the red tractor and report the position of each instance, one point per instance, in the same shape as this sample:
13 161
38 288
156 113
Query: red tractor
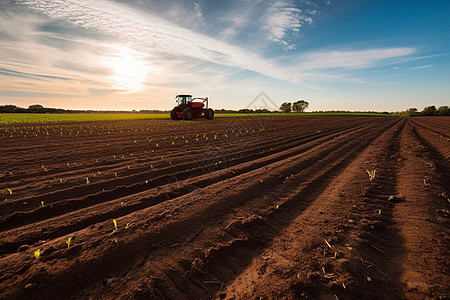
187 109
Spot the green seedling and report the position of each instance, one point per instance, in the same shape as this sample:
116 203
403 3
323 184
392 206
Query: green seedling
371 174
68 242
328 244
126 226
87 180
278 205
115 223
379 211
10 191
115 174
37 253
42 203
391 198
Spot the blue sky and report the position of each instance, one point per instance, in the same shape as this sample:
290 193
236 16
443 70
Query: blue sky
138 54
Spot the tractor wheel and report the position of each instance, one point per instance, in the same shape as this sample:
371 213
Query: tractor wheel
209 113
173 114
188 114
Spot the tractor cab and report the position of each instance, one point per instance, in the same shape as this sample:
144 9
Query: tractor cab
183 100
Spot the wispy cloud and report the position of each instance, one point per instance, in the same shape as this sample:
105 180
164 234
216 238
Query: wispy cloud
420 67
352 59
282 18
198 10
150 33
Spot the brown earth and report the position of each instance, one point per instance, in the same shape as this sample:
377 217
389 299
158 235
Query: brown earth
243 208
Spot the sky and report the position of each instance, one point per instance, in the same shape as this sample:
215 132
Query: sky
357 55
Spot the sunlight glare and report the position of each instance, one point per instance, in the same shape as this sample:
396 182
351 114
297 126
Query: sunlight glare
130 73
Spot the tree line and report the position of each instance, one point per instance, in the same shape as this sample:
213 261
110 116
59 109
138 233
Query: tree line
39 109
428 111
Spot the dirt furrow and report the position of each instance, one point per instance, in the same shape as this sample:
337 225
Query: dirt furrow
123 204
154 167
422 219
88 168
314 257
243 231
54 208
248 188
278 207
440 126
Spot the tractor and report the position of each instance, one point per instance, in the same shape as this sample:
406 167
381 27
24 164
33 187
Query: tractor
187 109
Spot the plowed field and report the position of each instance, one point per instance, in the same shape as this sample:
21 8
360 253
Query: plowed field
275 207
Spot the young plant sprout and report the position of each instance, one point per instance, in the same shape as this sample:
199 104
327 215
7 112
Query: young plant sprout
37 253
115 223
68 242
371 174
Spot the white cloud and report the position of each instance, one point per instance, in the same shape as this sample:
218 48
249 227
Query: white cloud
154 35
421 67
351 59
282 18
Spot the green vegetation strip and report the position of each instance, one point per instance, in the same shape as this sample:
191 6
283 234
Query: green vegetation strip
12 118
46 118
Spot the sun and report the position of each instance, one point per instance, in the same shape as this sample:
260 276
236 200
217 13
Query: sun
129 71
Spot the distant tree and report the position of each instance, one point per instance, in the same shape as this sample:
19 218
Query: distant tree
36 108
286 107
429 110
443 111
410 112
300 106
7 108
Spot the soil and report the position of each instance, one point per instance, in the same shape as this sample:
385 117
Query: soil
299 207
